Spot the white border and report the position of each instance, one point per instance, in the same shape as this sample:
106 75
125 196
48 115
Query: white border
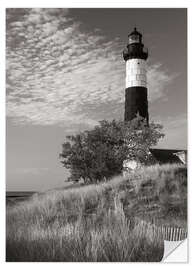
95 3
100 3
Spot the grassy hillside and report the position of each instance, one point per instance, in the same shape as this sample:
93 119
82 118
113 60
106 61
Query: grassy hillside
105 222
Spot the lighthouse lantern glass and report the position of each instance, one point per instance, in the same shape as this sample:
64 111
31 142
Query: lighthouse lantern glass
134 39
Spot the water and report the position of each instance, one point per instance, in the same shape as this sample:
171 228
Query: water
13 197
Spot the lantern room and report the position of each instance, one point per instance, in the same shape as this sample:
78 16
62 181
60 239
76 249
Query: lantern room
135 48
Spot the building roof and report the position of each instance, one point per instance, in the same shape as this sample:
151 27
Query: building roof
169 155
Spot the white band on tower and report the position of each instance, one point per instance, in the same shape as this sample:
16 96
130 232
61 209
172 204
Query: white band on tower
136 73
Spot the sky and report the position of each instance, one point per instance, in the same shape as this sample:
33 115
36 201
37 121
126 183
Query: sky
65 72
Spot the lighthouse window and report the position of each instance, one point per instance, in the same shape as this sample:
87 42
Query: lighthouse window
133 39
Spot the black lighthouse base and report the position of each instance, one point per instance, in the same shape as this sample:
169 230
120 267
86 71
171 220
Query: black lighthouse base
136 103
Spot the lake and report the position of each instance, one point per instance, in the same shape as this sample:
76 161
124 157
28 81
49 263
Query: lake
13 197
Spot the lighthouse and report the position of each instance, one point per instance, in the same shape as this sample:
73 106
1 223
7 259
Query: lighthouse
136 100
135 56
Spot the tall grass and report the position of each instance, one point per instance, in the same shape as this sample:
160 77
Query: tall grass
114 239
99 222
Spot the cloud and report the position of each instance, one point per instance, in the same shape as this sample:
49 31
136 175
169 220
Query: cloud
58 73
158 80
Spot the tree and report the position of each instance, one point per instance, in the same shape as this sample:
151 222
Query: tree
98 154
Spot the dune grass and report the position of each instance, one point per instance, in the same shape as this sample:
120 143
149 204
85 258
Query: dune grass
103 222
115 239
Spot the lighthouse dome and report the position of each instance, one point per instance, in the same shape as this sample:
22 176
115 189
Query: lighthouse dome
135 36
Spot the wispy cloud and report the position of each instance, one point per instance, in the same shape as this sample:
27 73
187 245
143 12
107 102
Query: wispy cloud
158 80
58 73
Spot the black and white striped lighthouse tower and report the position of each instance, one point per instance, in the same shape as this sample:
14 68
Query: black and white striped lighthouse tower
135 55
